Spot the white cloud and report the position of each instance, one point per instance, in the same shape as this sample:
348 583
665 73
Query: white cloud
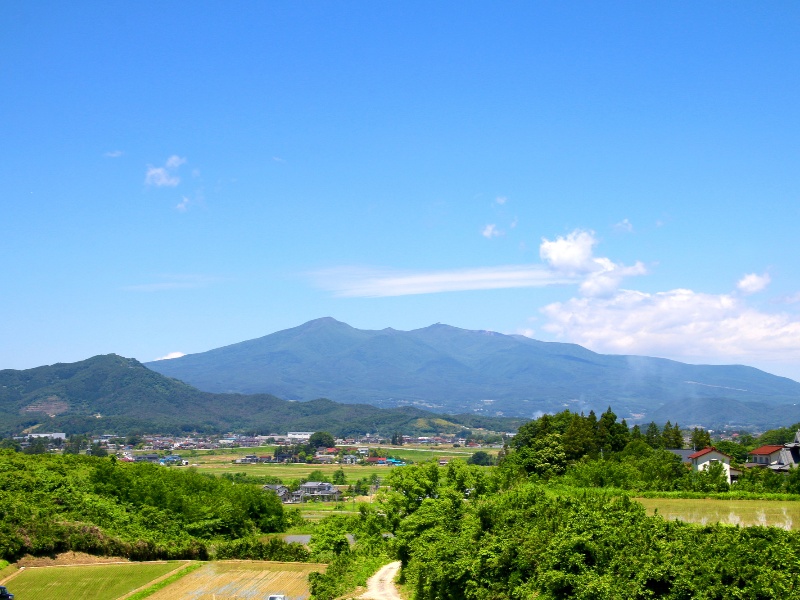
113 154
574 255
354 282
679 324
752 283
624 226
183 205
175 161
514 223
160 177
501 200
491 231
170 356
164 176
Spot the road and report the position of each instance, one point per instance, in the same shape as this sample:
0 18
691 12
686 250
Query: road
381 585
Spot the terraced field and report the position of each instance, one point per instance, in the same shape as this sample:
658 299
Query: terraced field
242 579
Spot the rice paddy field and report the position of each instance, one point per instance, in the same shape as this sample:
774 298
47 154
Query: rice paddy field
775 513
222 462
89 582
241 579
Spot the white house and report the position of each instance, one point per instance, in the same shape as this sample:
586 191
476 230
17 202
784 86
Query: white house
703 458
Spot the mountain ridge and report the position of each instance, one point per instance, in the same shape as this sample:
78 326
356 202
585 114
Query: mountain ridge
450 369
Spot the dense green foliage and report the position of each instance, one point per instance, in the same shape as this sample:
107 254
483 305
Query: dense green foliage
50 504
349 564
551 521
115 394
522 542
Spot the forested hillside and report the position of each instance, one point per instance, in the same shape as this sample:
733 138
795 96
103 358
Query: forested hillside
51 504
113 394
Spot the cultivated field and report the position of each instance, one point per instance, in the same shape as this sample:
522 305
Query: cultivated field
221 462
87 582
775 513
223 580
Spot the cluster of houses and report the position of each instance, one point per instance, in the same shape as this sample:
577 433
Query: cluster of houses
321 491
779 458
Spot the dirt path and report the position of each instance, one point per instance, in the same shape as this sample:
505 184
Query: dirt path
381 585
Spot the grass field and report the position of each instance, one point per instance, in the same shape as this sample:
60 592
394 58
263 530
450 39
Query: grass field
220 463
224 580
87 582
775 513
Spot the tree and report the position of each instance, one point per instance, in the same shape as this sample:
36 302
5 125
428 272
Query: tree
579 438
339 478
97 450
700 438
545 457
321 439
481 458
671 436
652 436
35 446
10 444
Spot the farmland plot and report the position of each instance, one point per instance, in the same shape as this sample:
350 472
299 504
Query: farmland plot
775 513
242 579
87 582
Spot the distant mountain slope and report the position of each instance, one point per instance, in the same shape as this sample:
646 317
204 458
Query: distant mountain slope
455 370
119 395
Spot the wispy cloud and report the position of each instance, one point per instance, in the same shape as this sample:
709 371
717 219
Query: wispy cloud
624 226
752 283
160 177
501 200
567 260
170 356
173 282
175 161
183 205
114 154
165 176
491 231
374 283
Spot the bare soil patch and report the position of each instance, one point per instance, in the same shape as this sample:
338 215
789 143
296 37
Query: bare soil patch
67 558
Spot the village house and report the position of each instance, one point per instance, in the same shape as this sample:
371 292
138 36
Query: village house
317 490
280 490
702 459
776 457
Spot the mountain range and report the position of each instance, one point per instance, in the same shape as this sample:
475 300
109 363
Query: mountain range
452 370
118 395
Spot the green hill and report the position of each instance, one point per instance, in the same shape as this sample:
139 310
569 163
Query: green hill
118 395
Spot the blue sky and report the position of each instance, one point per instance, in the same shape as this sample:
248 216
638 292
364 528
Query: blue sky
176 177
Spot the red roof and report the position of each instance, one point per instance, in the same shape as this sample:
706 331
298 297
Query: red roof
705 451
769 449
